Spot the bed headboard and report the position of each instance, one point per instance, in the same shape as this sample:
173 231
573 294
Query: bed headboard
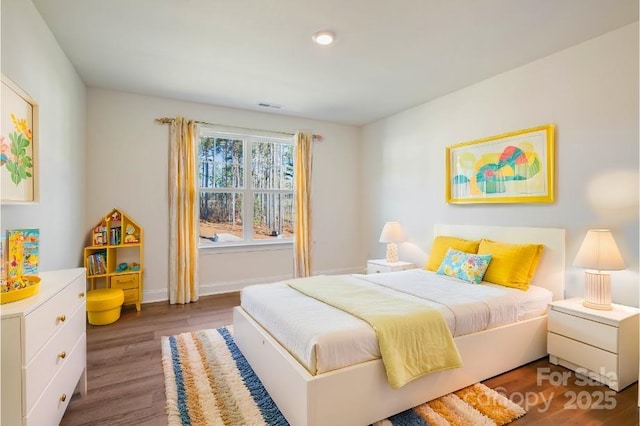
550 273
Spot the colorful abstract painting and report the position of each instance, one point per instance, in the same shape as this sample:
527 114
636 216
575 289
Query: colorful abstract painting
18 122
515 167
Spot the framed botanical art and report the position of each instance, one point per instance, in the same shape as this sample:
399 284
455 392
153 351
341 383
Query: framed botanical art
18 145
515 167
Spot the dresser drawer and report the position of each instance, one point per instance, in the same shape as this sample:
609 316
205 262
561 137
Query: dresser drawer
42 323
126 281
591 332
583 355
53 356
49 409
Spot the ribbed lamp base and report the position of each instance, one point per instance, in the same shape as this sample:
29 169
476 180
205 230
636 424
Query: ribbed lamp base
392 252
597 291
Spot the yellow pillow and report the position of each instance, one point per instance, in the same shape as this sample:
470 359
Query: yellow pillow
512 265
440 246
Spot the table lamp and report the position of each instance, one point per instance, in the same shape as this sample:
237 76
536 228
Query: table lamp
599 254
392 234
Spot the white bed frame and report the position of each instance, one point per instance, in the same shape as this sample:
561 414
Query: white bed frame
361 395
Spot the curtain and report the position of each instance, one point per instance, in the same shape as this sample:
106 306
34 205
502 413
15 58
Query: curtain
183 212
302 188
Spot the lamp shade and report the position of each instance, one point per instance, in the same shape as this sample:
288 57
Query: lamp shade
392 233
599 252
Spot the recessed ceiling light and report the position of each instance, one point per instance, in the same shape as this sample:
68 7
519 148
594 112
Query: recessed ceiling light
324 38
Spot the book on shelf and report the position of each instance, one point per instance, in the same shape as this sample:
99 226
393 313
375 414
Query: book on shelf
116 235
97 263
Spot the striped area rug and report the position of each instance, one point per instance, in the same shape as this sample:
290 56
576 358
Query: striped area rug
209 382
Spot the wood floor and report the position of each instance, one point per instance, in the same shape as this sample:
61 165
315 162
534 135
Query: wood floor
126 383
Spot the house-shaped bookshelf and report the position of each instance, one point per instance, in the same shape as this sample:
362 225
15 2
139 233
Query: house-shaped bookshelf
115 257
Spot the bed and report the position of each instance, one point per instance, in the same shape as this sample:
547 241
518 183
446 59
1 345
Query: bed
360 393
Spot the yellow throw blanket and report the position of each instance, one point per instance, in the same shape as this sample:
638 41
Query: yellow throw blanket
414 340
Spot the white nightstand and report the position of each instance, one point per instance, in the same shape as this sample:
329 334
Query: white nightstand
376 266
603 342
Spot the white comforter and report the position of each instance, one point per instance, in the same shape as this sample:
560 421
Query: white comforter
323 338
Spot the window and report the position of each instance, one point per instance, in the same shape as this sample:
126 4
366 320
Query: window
246 189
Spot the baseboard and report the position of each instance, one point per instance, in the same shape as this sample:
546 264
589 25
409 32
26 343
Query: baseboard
208 289
231 286
155 295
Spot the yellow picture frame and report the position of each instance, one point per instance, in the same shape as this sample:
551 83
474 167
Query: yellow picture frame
514 167
18 145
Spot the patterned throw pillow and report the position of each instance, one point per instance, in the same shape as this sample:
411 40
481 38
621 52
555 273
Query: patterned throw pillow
465 266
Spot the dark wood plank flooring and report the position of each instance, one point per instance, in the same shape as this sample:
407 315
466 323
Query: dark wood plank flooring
126 382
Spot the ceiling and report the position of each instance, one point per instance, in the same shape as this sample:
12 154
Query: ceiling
388 55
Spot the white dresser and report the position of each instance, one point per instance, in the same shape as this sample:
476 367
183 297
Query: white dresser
44 350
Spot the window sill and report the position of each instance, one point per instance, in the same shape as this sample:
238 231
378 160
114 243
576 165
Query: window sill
268 245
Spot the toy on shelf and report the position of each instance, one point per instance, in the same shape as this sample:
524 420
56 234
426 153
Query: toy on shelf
135 266
130 236
122 267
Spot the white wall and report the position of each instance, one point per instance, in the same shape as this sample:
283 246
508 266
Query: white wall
397 173
589 91
127 157
33 60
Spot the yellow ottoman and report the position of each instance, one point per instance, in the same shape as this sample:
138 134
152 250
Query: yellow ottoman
103 305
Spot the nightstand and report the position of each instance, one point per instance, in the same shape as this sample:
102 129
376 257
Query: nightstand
377 266
602 345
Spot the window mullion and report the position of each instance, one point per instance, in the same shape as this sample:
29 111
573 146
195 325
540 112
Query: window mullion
247 197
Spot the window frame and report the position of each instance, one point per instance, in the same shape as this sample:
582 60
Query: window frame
248 192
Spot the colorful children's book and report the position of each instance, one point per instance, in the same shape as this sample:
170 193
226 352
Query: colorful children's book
23 252
3 262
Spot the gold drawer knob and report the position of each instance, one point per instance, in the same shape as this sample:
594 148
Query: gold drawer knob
62 318
63 398
62 354
81 295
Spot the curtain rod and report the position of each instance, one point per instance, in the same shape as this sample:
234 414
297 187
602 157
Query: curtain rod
167 120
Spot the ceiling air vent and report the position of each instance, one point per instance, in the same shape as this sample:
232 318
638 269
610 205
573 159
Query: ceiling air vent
268 105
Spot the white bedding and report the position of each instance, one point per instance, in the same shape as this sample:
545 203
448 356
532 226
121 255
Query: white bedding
323 338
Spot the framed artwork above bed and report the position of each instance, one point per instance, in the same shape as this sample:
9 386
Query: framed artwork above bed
514 167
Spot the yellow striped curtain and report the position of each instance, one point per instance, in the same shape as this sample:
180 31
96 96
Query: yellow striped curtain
183 212
302 185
